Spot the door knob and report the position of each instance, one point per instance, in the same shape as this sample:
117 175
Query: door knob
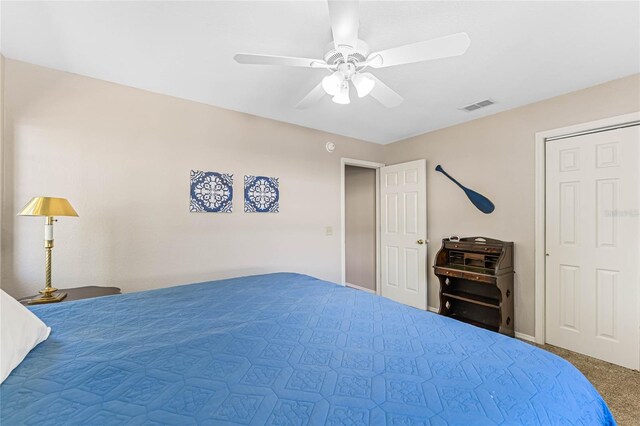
420 241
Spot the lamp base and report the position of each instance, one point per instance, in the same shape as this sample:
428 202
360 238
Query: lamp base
47 298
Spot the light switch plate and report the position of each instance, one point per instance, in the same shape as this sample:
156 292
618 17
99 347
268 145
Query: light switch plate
329 231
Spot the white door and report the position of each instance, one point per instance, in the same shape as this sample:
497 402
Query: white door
403 234
593 249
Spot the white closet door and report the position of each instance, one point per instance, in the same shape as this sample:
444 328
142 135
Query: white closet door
593 248
403 235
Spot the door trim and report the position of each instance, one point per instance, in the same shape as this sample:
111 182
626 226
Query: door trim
540 206
343 237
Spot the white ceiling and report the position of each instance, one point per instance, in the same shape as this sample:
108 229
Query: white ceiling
521 52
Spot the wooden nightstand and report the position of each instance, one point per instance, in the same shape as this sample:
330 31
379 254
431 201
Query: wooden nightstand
79 293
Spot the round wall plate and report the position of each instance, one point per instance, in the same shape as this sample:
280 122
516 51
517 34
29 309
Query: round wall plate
330 146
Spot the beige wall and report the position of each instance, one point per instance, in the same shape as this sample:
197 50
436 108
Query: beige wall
122 156
360 226
495 156
1 154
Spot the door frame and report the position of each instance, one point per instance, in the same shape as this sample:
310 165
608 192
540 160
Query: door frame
541 208
343 236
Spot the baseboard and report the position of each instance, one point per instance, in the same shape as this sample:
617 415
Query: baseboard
432 309
526 337
357 287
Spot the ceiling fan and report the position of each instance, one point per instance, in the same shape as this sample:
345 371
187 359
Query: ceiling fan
347 57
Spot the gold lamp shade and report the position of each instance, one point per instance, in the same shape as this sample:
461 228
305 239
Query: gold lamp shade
48 206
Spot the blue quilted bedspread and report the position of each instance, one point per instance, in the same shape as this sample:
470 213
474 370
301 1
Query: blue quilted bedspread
284 349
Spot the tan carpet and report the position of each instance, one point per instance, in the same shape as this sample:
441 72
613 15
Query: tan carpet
619 386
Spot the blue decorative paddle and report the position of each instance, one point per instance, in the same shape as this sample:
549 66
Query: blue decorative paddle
480 201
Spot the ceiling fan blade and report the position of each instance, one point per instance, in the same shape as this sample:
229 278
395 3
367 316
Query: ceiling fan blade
443 47
384 94
344 22
254 59
312 97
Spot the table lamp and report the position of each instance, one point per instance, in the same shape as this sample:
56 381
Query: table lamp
48 207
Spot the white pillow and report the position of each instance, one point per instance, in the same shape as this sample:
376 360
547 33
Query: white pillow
20 331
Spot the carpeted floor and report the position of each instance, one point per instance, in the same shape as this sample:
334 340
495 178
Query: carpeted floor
619 386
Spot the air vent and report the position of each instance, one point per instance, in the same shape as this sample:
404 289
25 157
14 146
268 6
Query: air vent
478 105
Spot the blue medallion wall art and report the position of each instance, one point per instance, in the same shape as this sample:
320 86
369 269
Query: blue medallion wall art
211 192
261 194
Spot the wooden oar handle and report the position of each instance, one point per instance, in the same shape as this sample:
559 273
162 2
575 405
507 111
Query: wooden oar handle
441 170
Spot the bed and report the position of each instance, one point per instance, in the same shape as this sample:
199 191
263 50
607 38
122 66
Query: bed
284 349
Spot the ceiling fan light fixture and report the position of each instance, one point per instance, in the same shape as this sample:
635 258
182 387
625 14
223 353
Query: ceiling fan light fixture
342 97
364 83
331 83
347 54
